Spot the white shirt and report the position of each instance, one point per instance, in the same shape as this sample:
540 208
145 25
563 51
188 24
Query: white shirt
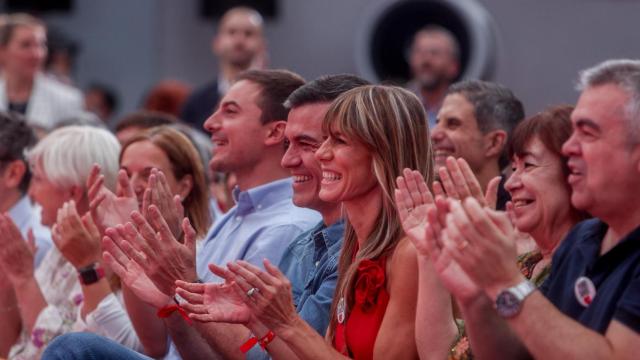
50 102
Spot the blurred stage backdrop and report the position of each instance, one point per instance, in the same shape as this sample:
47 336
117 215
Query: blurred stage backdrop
535 47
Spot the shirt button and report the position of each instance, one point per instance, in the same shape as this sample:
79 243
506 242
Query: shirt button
317 263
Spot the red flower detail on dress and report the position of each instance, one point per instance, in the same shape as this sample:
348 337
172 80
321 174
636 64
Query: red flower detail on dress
370 281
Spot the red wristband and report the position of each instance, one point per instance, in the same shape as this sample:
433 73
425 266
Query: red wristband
166 311
263 341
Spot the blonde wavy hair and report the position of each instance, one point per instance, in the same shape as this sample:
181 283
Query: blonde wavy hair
391 123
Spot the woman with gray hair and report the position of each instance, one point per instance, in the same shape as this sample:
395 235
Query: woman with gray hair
50 297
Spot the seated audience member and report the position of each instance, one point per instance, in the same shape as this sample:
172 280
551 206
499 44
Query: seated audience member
239 45
50 296
474 123
541 203
23 86
374 307
167 97
15 138
136 122
591 294
101 100
248 129
434 61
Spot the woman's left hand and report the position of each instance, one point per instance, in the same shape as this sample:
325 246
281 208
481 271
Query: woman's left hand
272 302
16 259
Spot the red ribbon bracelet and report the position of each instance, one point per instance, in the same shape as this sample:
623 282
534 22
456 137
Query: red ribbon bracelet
166 311
263 341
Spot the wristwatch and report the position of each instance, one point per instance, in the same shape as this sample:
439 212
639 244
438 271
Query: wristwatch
509 301
90 274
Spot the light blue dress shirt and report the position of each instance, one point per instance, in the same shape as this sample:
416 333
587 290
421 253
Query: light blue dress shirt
27 216
261 225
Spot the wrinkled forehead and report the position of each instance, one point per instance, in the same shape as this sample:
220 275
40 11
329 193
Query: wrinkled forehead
604 106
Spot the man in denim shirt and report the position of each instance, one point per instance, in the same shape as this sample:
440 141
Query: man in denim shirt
311 261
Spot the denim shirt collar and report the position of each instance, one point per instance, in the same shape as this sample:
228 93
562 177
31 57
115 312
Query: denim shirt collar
262 196
325 237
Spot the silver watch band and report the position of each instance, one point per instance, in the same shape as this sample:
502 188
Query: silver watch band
524 289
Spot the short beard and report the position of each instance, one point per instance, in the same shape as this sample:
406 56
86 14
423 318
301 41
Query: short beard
432 83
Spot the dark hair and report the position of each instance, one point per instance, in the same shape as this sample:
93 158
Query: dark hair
276 86
15 137
494 105
552 127
145 120
323 89
13 21
108 94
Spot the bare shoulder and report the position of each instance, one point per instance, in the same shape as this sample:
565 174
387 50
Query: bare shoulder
403 264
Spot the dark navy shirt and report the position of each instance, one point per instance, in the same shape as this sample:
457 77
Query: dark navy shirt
615 274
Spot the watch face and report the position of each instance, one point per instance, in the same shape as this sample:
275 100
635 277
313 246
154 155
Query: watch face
507 304
90 277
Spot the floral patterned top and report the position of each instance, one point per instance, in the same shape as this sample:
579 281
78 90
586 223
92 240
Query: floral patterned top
61 290
461 350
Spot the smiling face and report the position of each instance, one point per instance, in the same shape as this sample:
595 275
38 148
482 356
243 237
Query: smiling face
457 134
139 158
25 52
602 160
304 133
347 171
236 131
538 188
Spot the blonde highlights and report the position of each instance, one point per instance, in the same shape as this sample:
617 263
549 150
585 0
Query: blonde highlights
391 123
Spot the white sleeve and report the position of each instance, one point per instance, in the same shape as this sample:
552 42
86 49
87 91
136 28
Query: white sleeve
110 319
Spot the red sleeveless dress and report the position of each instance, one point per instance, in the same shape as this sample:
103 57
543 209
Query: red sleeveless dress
356 337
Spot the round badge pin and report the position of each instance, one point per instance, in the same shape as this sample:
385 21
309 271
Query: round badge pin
585 291
340 309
